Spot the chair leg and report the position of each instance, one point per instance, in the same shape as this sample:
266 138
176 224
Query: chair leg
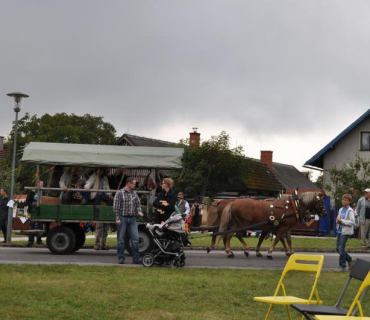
288 312
268 312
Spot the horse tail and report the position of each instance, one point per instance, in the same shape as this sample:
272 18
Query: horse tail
225 220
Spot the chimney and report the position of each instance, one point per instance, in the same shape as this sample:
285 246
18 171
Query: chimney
1 143
194 139
266 158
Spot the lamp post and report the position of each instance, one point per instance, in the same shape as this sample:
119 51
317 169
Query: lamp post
18 96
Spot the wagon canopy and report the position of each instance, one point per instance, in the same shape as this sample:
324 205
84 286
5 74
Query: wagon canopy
88 155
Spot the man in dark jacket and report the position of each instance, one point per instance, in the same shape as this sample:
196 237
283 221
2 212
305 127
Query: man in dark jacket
3 211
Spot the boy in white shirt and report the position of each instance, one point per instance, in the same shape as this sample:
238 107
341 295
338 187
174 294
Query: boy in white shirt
345 223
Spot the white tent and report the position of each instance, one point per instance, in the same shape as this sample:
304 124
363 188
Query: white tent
102 156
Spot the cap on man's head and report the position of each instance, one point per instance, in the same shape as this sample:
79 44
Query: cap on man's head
367 190
183 193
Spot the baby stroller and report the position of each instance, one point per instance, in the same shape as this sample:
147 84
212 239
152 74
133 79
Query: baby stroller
167 239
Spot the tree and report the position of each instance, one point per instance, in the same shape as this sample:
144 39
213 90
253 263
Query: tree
64 128
5 177
211 167
352 178
59 128
320 181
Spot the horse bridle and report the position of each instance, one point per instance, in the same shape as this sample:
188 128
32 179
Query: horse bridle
321 208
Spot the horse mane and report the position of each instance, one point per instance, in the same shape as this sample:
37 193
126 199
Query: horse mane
307 198
212 213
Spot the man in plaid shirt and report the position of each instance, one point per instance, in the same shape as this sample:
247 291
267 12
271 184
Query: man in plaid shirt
126 205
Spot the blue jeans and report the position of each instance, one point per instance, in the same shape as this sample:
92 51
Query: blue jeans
128 224
341 249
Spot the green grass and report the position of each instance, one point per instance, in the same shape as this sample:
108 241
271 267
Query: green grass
314 243
76 292
201 240
197 240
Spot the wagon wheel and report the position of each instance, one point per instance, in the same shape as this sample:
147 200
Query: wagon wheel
146 242
148 260
80 236
61 240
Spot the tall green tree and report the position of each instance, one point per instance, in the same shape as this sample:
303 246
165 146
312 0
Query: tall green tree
352 178
6 176
211 167
64 128
59 128
320 181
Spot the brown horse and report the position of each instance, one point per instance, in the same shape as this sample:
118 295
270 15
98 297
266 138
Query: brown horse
278 216
213 222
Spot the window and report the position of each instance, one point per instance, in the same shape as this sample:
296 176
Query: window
365 141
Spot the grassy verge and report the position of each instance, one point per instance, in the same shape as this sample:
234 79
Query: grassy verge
297 243
200 240
75 292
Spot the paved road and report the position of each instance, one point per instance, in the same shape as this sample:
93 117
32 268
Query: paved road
194 258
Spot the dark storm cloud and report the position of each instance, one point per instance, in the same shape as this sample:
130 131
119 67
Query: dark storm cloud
256 69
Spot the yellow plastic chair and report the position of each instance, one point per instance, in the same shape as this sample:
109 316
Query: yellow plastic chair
296 262
357 303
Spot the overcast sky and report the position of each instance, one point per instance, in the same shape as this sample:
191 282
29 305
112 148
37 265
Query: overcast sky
286 76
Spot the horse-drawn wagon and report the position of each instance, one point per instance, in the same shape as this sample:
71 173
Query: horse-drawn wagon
62 222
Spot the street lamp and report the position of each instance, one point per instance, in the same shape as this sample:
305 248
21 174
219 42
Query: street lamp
18 96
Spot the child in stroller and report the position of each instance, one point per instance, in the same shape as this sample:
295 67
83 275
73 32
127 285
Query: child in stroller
167 239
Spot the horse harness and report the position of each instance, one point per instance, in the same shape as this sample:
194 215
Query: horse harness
276 221
295 203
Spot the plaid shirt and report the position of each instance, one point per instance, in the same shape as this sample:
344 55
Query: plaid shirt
126 203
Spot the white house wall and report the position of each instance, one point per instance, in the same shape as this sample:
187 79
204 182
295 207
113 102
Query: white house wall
345 149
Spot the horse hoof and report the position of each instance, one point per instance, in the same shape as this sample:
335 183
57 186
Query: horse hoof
246 254
230 255
259 255
269 257
208 250
288 254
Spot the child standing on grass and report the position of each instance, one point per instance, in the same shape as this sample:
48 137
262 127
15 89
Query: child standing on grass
345 223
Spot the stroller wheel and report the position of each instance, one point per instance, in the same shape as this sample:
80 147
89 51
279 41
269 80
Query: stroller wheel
148 260
158 261
175 263
182 263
